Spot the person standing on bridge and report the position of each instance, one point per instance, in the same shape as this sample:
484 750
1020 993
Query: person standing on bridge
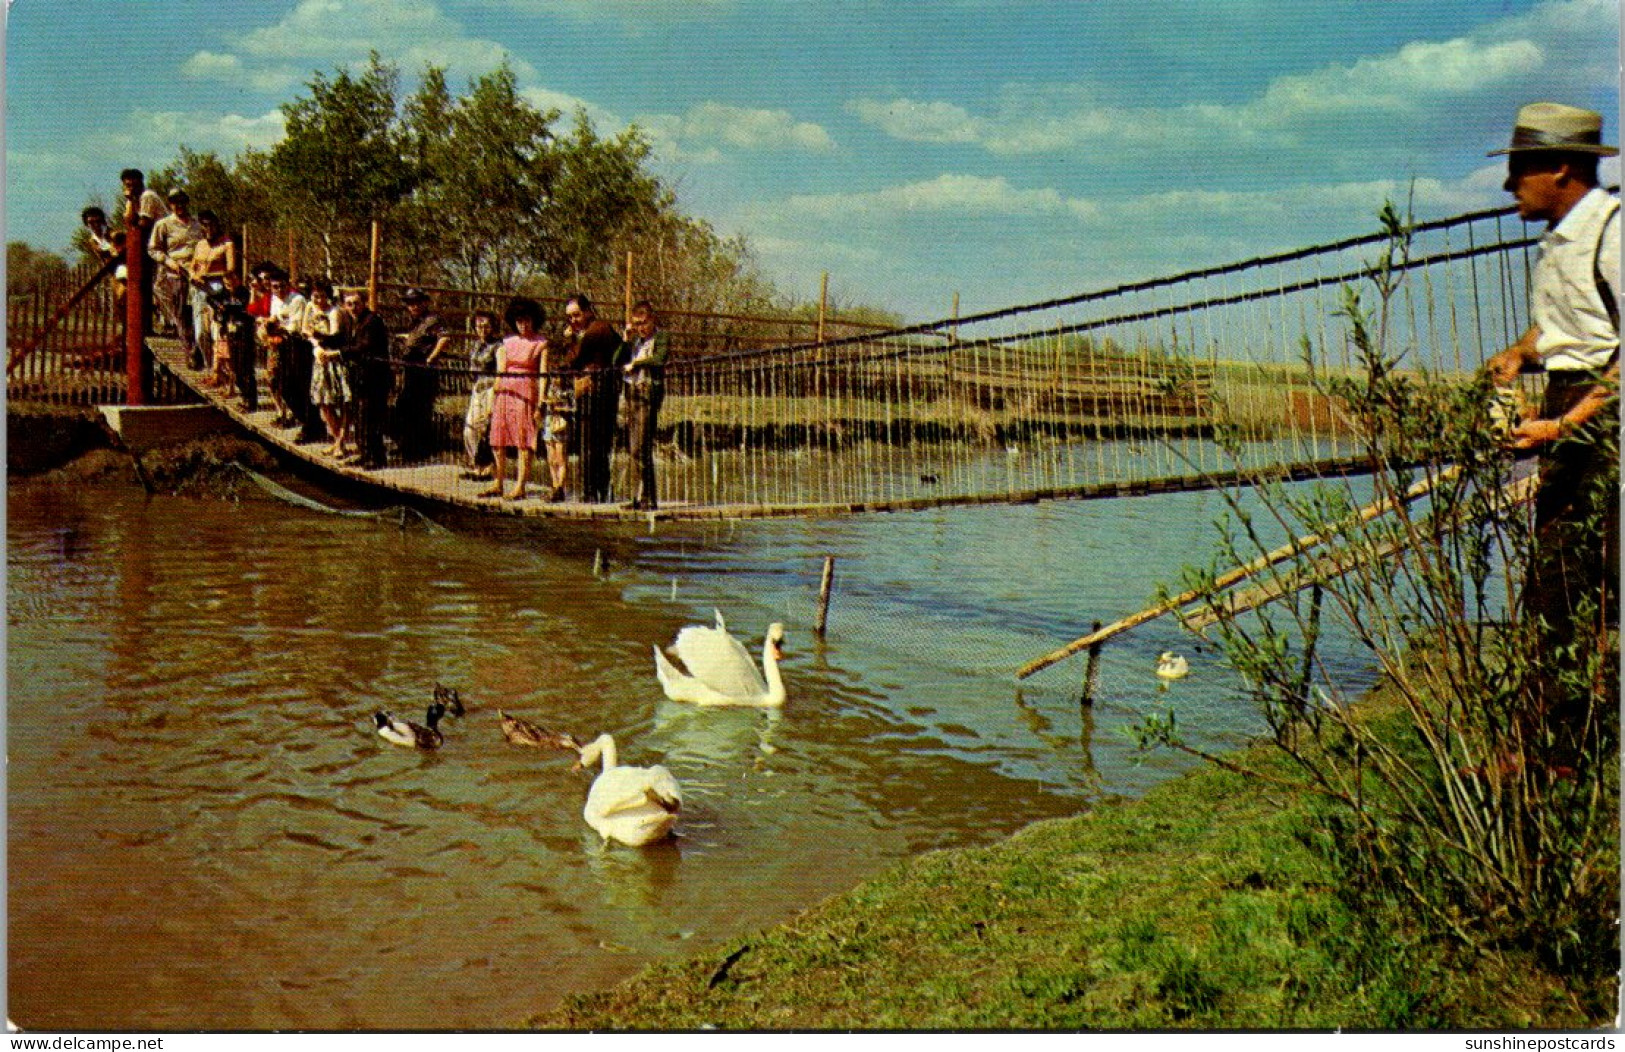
482 366
598 390
516 408
421 347
645 389
104 245
214 261
1574 339
142 209
174 240
365 340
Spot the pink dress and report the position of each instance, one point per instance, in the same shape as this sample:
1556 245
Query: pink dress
513 414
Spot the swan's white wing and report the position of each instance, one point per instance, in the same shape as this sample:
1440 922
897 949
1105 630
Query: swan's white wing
624 789
662 790
719 661
671 680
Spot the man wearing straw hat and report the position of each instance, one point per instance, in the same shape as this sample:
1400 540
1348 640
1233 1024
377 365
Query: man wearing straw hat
1574 340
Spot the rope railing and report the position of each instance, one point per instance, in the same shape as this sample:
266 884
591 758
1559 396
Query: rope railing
936 327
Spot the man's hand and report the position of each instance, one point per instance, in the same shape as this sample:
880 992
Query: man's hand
1504 367
1534 433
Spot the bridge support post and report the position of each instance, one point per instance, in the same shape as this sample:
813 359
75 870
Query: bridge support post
1091 673
137 309
824 586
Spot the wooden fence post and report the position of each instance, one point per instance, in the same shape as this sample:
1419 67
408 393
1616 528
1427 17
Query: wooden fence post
626 320
823 304
1091 672
823 595
372 270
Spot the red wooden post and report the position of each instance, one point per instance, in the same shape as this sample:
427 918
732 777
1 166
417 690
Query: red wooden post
137 305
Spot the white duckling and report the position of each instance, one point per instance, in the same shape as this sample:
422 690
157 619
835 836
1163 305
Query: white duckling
634 805
1172 666
412 735
720 670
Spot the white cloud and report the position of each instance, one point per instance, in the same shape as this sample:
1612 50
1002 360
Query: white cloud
210 65
702 133
227 134
966 195
1558 48
1417 75
546 99
967 198
324 34
911 121
634 13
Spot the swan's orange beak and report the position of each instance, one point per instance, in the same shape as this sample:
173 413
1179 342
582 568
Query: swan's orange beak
778 651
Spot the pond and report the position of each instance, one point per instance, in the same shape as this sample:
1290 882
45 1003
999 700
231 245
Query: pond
206 832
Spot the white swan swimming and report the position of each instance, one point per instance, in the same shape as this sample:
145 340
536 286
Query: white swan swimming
1172 666
634 805
720 670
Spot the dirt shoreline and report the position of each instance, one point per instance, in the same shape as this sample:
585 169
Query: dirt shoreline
73 445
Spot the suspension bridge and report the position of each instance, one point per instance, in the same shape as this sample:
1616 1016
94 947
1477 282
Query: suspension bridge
1111 392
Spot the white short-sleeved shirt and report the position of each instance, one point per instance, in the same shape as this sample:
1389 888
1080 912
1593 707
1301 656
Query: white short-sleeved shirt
1575 330
289 313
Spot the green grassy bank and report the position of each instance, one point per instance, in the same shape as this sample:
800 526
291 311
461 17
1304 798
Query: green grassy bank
1200 906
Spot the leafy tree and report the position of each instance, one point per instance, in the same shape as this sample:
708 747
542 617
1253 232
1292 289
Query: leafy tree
29 268
479 191
343 161
487 163
220 188
602 191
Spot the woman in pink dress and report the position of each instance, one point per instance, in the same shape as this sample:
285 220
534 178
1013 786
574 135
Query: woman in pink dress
516 408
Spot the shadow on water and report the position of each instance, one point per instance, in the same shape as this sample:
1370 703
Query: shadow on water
195 779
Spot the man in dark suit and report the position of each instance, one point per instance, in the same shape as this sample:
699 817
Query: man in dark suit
366 351
598 392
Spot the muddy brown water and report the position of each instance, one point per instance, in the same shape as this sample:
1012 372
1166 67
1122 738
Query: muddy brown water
205 832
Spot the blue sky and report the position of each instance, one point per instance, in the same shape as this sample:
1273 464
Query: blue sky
1007 151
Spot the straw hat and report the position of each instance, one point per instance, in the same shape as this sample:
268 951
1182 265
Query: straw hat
1553 126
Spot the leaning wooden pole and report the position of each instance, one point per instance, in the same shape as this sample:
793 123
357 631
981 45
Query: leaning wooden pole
1331 566
1230 577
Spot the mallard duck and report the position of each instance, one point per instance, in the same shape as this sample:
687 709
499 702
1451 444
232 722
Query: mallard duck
523 732
634 805
720 670
453 701
412 735
1172 666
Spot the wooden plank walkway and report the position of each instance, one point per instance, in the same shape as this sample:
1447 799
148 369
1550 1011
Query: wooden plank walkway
441 482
